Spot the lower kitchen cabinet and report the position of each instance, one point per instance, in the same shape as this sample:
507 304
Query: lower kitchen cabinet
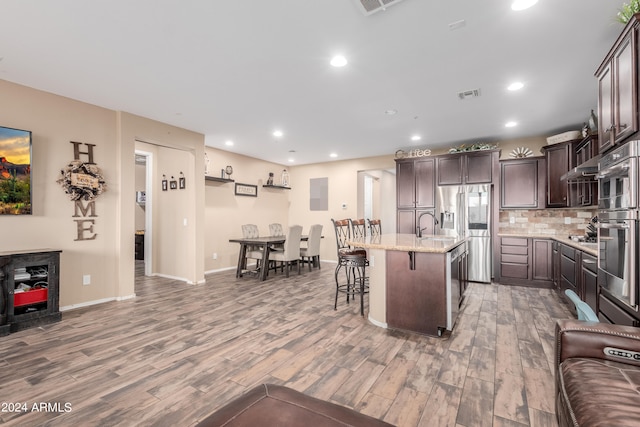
525 261
589 280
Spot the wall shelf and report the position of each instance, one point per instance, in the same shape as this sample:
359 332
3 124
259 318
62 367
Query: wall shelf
277 186
216 179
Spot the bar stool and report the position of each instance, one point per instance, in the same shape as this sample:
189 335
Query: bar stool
356 284
353 261
375 227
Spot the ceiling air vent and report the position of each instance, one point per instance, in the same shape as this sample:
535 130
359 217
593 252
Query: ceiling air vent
468 94
372 6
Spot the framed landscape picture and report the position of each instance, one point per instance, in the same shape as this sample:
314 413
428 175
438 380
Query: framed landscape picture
15 171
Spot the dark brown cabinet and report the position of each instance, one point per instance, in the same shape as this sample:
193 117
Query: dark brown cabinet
526 261
30 289
589 280
559 158
568 270
415 183
542 260
617 89
522 183
586 189
468 168
415 191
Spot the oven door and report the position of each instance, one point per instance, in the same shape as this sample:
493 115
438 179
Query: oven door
617 185
617 259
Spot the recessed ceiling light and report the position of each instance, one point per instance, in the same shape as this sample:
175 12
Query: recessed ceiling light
522 4
277 133
229 143
515 86
391 112
416 138
334 155
338 61
510 124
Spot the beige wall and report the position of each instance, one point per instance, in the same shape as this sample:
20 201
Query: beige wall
343 188
109 258
54 122
225 212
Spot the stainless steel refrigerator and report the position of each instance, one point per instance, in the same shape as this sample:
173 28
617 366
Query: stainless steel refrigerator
466 211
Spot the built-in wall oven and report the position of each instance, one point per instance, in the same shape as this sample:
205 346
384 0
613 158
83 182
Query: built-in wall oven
618 224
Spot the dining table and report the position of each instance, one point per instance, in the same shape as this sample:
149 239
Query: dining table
264 243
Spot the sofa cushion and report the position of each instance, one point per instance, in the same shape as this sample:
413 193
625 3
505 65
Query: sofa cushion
273 405
597 392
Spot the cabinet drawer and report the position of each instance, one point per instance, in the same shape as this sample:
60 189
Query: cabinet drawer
517 271
569 252
515 250
568 268
515 259
514 241
615 314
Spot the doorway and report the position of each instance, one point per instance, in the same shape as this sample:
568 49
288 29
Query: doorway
143 212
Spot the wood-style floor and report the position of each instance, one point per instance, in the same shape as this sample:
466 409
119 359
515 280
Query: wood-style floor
178 352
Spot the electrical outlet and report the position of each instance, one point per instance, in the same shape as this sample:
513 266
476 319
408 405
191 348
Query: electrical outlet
215 255
567 220
512 219
86 279
372 261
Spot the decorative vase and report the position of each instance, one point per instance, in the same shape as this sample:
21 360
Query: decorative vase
284 178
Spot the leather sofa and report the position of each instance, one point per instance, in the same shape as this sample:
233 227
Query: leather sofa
272 405
597 374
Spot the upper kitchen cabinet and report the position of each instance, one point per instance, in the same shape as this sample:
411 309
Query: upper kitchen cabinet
617 89
560 159
467 168
415 183
522 183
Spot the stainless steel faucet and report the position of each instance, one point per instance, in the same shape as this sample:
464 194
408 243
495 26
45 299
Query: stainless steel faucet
420 230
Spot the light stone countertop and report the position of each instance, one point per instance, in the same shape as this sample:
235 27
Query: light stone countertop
590 248
409 242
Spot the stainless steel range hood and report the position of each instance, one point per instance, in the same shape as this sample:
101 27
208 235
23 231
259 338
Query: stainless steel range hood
583 172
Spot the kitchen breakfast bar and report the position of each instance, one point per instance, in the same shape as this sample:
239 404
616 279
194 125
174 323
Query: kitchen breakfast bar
415 283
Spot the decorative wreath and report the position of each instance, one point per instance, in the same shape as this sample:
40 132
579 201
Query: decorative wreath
82 181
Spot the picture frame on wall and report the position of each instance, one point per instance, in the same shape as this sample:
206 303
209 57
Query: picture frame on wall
246 190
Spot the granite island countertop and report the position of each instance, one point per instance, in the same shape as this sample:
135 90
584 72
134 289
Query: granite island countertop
590 248
409 242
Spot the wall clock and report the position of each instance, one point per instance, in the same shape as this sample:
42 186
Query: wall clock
520 152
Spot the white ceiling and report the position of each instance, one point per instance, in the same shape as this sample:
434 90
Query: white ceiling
238 69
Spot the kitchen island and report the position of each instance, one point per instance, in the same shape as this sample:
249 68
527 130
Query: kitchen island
415 283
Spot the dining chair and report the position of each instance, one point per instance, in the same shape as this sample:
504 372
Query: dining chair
312 251
354 263
276 229
375 227
250 231
291 252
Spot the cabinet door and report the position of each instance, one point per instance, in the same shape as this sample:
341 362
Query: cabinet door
542 261
589 281
425 183
605 109
559 161
406 221
450 170
519 184
479 168
405 185
625 111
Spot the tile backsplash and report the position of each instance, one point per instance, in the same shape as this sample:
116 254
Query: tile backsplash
545 221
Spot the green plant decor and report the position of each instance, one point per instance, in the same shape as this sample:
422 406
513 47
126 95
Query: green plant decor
628 10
